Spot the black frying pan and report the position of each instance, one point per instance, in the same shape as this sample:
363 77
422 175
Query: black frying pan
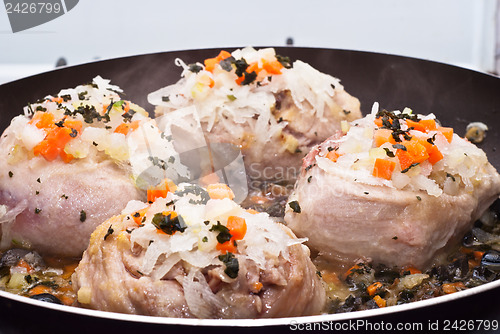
456 96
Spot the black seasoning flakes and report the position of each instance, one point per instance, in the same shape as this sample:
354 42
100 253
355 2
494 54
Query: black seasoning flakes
309 179
294 205
195 68
169 224
232 265
249 78
11 174
419 198
83 216
309 167
38 180
410 167
60 124
285 61
223 235
37 210
109 232
389 153
400 147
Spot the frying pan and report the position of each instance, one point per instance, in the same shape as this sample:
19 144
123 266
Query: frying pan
455 95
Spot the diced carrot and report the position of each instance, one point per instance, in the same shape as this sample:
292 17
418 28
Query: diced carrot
253 67
252 211
423 125
124 128
416 150
452 287
126 106
66 300
333 156
25 265
56 99
57 136
161 190
210 62
373 288
43 120
237 227
383 168
415 153
219 191
381 302
272 67
478 255
68 270
227 246
138 215
67 158
382 136
256 287
155 193
43 148
39 289
240 79
405 159
447 133
331 278
434 154
351 270
73 124
411 270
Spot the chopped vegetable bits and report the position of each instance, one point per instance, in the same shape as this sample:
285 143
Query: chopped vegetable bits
404 151
92 121
182 221
76 122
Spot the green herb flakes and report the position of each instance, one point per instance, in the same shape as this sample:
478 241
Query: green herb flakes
169 224
231 263
83 216
294 205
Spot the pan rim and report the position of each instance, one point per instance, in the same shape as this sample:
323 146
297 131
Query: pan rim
251 322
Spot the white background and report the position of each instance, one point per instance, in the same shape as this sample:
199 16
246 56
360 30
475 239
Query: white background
460 32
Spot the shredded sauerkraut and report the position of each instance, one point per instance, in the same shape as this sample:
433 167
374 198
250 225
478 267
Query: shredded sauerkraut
446 163
220 98
98 122
198 244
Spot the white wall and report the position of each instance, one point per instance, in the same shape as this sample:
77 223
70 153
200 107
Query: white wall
460 32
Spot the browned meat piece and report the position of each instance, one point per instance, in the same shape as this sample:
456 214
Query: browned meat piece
71 162
274 119
269 274
349 211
